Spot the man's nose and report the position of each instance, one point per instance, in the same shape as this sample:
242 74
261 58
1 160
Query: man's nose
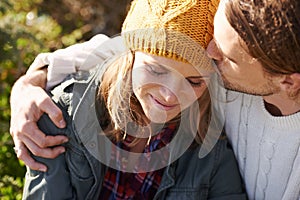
213 51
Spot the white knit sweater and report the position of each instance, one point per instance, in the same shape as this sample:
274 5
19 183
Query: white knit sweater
267 148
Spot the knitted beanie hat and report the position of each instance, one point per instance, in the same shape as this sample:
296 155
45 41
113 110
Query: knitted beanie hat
177 29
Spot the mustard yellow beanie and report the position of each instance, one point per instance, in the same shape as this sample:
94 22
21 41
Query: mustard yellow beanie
178 29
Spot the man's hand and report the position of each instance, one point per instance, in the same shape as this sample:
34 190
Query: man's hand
28 102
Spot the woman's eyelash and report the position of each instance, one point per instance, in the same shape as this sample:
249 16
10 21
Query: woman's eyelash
156 72
196 84
159 72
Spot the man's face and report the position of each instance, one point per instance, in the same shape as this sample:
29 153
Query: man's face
239 71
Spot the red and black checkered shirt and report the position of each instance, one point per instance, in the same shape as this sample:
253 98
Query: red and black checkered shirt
119 185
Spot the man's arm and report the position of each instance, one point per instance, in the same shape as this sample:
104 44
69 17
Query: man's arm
78 57
25 113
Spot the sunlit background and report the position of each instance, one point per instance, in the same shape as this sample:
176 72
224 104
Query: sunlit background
29 27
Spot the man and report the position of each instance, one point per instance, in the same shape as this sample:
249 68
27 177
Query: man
257 50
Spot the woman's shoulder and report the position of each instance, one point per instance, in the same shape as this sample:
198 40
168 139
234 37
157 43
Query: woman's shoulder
63 93
196 169
219 155
222 152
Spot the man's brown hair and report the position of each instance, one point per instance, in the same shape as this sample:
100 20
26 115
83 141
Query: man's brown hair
270 29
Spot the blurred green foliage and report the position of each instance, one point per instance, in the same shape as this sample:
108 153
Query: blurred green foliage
27 28
24 32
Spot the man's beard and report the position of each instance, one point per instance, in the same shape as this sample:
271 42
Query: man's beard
265 90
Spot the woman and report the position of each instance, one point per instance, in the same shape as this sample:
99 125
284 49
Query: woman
138 121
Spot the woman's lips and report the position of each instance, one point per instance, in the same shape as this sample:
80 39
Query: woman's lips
164 106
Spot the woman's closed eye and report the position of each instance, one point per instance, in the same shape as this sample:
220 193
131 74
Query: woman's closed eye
196 82
157 70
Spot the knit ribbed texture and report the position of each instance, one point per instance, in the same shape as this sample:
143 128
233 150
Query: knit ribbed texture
178 29
267 148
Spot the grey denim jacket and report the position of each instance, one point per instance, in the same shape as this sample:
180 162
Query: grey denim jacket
78 174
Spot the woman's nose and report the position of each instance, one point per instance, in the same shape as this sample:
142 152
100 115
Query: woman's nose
167 95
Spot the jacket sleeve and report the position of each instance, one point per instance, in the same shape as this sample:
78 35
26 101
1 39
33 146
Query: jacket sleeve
226 183
53 184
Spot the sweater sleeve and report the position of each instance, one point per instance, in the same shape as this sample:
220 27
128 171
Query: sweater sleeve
78 57
83 56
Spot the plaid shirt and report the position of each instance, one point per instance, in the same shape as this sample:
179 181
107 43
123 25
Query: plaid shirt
119 185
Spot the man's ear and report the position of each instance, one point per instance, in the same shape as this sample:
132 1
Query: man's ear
290 82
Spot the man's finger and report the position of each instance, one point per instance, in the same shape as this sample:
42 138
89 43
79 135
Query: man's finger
39 138
23 154
48 106
50 152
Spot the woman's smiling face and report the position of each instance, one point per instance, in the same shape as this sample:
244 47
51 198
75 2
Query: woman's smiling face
165 87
